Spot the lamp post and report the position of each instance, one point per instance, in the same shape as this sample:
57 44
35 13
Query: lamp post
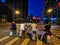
49 11
17 12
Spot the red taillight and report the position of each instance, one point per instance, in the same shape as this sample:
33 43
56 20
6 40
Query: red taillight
48 37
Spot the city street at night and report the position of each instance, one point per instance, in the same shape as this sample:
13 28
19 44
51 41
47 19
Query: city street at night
29 22
5 39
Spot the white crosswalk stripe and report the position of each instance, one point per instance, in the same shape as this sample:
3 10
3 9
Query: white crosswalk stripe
39 42
4 38
13 40
25 42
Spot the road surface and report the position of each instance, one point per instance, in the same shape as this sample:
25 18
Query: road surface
5 39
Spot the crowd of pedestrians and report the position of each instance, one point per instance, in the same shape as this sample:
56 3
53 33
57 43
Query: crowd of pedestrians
36 29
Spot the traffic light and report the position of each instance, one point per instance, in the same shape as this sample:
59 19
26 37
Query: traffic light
58 9
58 4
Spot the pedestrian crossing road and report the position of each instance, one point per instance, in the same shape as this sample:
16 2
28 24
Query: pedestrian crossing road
7 40
14 40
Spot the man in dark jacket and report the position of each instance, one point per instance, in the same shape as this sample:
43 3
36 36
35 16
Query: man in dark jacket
47 27
13 28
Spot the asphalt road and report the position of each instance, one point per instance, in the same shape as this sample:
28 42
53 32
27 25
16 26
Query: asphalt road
5 39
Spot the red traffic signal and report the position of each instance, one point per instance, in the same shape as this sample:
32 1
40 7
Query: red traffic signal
58 4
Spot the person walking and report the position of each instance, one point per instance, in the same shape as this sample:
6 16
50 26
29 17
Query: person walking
33 26
13 29
39 30
22 29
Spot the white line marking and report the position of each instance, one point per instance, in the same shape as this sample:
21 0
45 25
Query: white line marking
4 38
12 41
25 42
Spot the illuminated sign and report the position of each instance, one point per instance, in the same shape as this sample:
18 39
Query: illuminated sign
36 18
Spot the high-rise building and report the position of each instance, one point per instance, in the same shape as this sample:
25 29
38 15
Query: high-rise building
51 4
21 5
10 6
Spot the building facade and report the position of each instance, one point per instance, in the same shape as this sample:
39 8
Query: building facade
10 6
51 4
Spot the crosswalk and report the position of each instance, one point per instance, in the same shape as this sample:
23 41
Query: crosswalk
4 38
39 42
55 40
14 40
25 42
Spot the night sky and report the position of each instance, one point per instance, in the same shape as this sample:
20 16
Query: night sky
35 7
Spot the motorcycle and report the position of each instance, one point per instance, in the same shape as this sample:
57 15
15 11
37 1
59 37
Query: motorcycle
47 37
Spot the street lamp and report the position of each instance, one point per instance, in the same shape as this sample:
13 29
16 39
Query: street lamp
17 12
49 11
